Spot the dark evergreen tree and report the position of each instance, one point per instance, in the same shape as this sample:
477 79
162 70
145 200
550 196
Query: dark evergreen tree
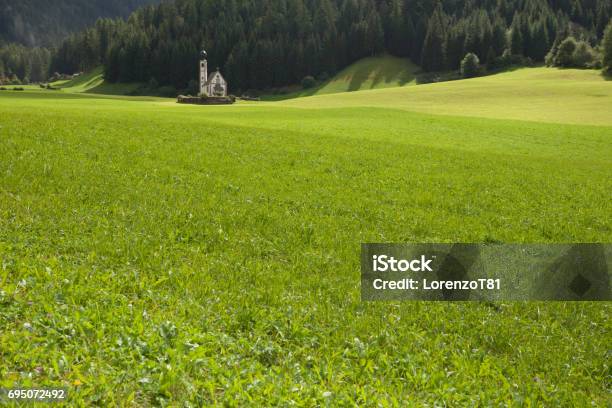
499 41
433 57
455 45
607 48
540 43
516 41
516 36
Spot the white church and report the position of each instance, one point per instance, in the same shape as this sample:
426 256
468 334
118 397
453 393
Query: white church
213 84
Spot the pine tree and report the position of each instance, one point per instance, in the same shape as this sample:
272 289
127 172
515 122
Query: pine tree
516 41
525 34
420 31
539 42
455 42
433 56
409 42
375 36
499 40
491 57
395 29
603 16
607 48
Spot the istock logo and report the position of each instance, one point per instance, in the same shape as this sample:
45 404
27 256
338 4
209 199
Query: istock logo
384 263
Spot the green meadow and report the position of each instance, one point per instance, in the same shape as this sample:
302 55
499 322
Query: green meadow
157 254
366 74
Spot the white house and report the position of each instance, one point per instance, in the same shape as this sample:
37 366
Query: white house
213 84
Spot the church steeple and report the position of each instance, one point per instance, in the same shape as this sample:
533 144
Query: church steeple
203 71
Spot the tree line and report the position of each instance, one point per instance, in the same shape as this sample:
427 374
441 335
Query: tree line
20 64
272 43
36 23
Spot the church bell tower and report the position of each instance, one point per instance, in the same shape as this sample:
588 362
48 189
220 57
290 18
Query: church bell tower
203 71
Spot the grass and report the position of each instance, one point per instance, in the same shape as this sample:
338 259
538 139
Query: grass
93 82
154 253
89 83
535 94
368 73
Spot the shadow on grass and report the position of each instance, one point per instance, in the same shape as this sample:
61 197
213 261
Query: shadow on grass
118 89
300 93
393 73
387 71
368 73
510 68
93 83
358 76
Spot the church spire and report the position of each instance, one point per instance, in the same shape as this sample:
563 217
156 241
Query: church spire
203 71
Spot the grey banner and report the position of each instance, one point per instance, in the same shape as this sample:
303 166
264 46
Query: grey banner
485 272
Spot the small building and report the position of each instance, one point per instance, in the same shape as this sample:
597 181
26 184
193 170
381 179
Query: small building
213 84
216 85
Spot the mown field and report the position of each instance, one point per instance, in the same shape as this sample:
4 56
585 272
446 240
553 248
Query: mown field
152 253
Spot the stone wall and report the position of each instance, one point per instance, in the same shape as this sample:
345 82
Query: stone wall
211 100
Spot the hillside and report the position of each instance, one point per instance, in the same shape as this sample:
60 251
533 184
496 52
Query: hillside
368 73
45 22
93 82
156 254
271 44
538 94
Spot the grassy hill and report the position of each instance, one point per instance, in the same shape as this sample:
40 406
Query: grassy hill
154 252
539 94
93 82
369 73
